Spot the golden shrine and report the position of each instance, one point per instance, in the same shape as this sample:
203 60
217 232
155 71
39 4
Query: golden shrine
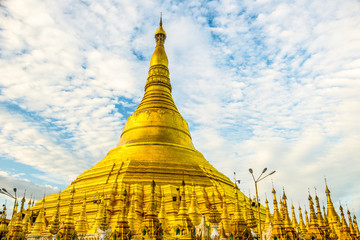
156 185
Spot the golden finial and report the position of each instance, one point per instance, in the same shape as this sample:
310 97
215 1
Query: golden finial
159 56
327 191
284 195
160 31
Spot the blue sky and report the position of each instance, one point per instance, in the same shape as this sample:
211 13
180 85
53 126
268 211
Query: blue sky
261 83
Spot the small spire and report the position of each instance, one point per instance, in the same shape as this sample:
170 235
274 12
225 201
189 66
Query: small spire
284 195
294 221
301 222
307 219
267 214
132 215
55 221
160 19
327 191
345 230
194 211
162 212
352 230
81 225
215 216
356 228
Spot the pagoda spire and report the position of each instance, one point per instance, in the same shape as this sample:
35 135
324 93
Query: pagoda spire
151 226
287 221
238 224
251 221
40 225
245 211
122 228
328 229
214 218
99 214
267 216
332 216
325 217
67 231
290 230
55 221
307 220
318 212
356 228
194 211
319 217
294 222
225 216
23 200
345 231
301 223
183 221
351 226
281 209
69 217
3 225
16 232
162 213
81 225
314 229
183 212
29 203
276 218
132 213
26 223
278 225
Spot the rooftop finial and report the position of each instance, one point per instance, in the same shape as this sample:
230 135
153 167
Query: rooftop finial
161 19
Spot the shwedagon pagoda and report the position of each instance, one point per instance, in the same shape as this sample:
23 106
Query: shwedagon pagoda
156 185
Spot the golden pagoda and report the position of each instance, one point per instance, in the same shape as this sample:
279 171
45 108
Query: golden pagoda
314 230
332 216
4 226
288 226
345 230
277 229
154 159
302 225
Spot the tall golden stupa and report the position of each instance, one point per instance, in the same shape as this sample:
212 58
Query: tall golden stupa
153 179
